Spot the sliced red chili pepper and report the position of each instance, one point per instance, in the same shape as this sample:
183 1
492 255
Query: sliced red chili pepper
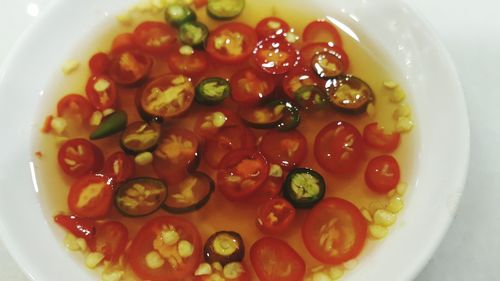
297 78
110 239
377 138
275 216
119 166
251 87
241 173
80 227
130 67
101 92
193 64
91 196
74 104
321 31
275 55
227 139
99 63
78 157
155 37
123 42
271 26
231 43
310 50
382 173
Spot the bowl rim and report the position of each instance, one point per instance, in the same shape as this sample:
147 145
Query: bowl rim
34 271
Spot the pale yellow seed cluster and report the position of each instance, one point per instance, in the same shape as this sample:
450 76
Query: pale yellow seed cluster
61 140
377 231
203 269
291 37
395 205
367 215
186 50
144 158
320 273
216 271
125 18
94 259
58 125
108 111
185 248
70 66
402 113
397 95
73 243
96 118
276 171
402 110
386 216
112 276
390 85
154 260
370 110
404 124
350 264
401 188
391 193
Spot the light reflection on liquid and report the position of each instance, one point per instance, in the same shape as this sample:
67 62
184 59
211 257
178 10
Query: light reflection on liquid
344 27
33 176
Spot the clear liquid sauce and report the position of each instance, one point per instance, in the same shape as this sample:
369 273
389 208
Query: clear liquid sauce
221 214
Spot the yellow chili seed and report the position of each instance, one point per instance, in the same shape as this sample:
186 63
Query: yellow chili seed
402 110
384 218
397 96
377 231
370 110
401 188
404 124
70 66
395 204
336 273
366 214
321 276
351 264
94 259
144 158
390 85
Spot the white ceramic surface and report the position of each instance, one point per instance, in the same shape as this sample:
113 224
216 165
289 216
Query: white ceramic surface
406 40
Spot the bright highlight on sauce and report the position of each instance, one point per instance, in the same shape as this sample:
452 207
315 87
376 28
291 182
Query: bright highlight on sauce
216 140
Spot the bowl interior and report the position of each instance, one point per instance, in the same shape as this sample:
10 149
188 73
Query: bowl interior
399 37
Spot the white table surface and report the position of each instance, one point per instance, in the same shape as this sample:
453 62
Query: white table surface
471 32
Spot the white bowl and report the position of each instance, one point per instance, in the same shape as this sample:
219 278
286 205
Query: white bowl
402 38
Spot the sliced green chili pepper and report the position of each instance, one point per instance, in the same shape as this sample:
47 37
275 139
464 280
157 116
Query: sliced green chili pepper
112 124
304 187
291 115
310 97
139 197
225 9
349 94
189 195
140 137
212 91
193 34
261 116
224 247
177 14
